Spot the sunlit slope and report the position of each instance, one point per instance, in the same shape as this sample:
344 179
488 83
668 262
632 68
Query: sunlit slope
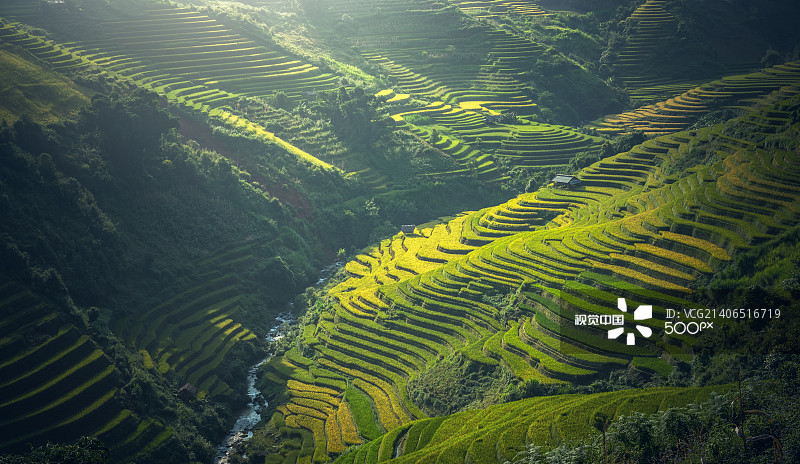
476 143
495 8
197 58
464 71
193 329
441 63
56 384
27 89
186 57
680 112
498 433
637 228
435 53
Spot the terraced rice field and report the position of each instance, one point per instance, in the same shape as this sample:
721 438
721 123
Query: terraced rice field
499 8
629 231
310 135
465 75
477 145
651 26
19 9
455 67
468 78
680 112
57 385
203 64
198 59
191 332
187 57
498 433
56 55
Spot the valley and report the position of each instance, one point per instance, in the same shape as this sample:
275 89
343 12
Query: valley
521 198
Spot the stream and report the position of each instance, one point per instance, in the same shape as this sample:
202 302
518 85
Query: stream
251 415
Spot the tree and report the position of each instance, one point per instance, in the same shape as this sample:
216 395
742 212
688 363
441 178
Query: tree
280 100
434 137
88 450
771 58
129 128
600 421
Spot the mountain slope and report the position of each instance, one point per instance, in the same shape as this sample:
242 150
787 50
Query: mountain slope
107 221
150 235
499 433
62 386
644 225
29 90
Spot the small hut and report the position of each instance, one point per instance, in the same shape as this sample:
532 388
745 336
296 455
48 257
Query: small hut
565 181
407 228
492 118
187 392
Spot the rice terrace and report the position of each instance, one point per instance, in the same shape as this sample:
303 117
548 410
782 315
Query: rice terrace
421 231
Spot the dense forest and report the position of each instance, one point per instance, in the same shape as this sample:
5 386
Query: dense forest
399 231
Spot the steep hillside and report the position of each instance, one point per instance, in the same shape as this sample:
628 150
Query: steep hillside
469 88
199 49
660 47
59 385
173 176
169 258
336 130
132 266
32 91
713 101
500 433
644 225
651 26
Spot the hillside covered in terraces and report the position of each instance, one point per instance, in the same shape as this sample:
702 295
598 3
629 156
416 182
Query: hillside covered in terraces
479 228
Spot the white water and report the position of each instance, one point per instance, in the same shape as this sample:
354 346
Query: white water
251 415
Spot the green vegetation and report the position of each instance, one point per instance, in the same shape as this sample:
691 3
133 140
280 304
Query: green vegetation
174 176
576 260
684 110
87 451
45 96
545 422
458 383
362 413
63 388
